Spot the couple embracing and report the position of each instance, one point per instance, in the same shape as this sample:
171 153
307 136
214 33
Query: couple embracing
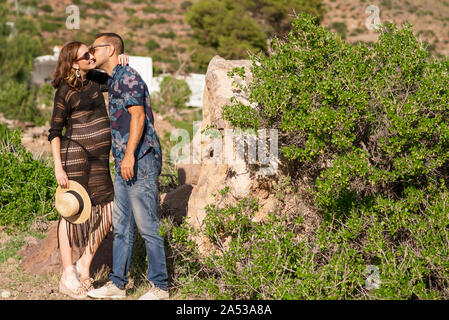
81 137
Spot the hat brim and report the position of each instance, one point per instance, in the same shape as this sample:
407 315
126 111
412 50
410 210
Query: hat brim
87 209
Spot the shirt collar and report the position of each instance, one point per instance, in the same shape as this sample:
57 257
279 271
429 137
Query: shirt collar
115 70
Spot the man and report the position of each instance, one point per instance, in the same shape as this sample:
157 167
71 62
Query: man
138 160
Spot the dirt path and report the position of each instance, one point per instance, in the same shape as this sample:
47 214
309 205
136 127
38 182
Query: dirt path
18 284
15 283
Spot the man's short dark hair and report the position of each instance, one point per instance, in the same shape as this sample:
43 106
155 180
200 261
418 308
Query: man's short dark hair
114 39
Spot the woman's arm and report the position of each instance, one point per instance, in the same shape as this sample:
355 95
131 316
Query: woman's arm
60 174
58 121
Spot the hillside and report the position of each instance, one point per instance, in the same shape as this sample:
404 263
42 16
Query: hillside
149 28
430 19
158 28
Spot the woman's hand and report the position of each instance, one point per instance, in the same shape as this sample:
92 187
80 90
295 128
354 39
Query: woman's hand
123 59
62 178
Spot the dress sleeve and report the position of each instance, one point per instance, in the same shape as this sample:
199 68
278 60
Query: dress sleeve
59 117
99 77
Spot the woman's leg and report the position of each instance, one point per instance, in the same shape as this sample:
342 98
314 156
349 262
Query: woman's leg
95 238
64 247
69 283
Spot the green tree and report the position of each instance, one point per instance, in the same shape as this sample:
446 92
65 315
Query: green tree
231 28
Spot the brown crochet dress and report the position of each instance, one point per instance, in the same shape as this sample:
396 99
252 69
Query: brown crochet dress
85 148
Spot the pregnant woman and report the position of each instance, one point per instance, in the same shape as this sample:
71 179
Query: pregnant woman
81 154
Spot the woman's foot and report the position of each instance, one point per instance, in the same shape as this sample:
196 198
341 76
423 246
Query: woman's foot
70 285
83 274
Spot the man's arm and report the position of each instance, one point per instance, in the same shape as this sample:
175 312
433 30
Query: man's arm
135 133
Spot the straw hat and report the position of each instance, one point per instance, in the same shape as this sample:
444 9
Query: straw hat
73 204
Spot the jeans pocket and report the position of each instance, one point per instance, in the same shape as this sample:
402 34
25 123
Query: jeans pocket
156 166
143 167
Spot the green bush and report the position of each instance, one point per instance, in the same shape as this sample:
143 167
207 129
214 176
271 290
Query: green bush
368 120
17 52
27 185
369 127
272 260
152 45
173 93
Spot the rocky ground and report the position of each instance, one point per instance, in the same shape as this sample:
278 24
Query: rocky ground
19 284
15 284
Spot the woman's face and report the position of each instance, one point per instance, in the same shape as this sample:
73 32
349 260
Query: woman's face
84 60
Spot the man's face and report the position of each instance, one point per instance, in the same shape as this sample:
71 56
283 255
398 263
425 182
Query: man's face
100 50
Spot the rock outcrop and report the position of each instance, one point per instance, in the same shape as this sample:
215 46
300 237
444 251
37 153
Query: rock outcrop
214 164
42 256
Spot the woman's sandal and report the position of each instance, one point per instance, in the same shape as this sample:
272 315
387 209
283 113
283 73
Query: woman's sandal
87 283
78 293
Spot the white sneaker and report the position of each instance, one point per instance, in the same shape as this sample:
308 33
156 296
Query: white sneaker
109 290
155 293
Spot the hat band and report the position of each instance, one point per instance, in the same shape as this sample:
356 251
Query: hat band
80 200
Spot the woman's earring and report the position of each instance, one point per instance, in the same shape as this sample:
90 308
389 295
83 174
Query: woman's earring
77 72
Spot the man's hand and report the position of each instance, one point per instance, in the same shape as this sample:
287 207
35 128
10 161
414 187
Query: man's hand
127 167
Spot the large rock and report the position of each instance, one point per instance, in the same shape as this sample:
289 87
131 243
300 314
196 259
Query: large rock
213 165
188 173
42 256
174 203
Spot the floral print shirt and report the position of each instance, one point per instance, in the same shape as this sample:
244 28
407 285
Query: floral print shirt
126 88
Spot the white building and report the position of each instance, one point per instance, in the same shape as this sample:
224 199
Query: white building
43 68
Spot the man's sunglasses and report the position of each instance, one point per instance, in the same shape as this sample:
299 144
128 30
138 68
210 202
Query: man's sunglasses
92 48
85 56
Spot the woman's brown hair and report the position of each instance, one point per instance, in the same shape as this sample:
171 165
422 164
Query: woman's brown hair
64 70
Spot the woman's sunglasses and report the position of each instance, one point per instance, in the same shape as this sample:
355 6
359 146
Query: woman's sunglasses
85 56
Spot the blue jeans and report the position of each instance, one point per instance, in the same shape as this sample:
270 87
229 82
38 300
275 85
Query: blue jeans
135 203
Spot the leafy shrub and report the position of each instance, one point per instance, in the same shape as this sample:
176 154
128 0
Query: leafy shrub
18 101
373 117
152 45
272 260
370 126
27 185
17 52
340 28
46 8
173 93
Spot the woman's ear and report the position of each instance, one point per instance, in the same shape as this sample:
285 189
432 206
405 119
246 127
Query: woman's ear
75 66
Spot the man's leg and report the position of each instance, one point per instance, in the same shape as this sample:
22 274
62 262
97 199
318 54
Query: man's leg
143 198
123 223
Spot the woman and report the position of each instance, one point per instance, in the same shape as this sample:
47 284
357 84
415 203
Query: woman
82 155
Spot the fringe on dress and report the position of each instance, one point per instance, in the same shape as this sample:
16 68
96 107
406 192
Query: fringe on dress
92 229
